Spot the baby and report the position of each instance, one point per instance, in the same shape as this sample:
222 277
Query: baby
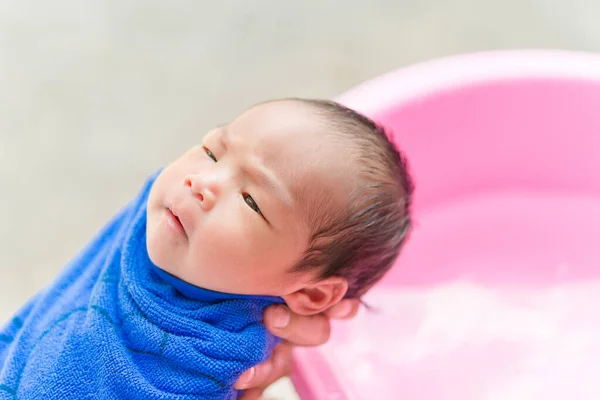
302 202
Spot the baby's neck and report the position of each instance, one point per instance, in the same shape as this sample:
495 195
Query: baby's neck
198 293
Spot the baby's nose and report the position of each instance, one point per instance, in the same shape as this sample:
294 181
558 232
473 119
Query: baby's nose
201 191
206 187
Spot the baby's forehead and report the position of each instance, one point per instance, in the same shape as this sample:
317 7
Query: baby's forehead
278 119
291 130
301 147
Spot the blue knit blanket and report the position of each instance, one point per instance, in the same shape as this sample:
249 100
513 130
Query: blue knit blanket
114 326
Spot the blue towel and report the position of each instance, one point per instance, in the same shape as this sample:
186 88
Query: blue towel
114 326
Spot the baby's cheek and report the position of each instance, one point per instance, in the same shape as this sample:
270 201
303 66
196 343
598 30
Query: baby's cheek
225 234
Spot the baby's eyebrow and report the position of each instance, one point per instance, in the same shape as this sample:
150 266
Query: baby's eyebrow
266 177
224 135
259 173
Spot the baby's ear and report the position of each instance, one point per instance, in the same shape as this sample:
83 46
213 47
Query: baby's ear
317 297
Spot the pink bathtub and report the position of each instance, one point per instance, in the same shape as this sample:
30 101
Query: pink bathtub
496 296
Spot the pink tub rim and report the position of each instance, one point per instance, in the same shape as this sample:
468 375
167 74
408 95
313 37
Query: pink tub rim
405 84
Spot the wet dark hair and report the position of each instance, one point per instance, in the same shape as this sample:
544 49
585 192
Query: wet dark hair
361 241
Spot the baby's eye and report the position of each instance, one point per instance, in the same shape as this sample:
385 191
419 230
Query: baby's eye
251 203
210 154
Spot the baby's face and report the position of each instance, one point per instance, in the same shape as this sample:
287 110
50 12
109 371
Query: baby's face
231 214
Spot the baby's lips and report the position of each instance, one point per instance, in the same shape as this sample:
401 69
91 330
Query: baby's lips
186 217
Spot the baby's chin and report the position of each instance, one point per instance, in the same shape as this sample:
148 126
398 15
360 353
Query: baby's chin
157 255
165 261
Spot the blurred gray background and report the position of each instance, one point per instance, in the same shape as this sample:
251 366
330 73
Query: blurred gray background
95 95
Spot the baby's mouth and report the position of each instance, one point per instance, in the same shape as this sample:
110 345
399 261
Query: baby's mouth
173 215
177 218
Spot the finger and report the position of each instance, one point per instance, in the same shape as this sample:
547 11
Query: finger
255 376
282 362
251 394
345 309
299 330
281 366
263 375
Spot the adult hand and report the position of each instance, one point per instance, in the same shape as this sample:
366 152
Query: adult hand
295 330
